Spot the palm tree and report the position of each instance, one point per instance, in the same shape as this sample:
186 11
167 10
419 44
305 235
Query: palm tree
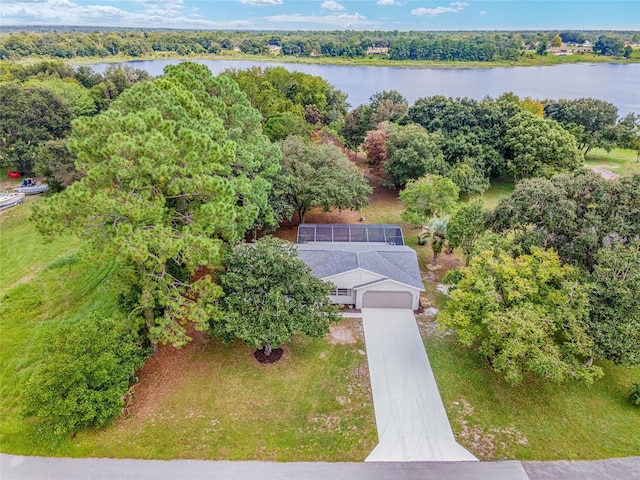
437 229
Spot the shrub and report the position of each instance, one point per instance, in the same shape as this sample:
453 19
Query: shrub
83 378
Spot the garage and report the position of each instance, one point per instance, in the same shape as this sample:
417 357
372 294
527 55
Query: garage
379 299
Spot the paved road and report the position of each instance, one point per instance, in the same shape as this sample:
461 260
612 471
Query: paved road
612 469
39 468
14 467
410 417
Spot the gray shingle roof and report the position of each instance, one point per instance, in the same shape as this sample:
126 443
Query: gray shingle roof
396 262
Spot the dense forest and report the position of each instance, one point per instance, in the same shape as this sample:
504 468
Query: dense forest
394 45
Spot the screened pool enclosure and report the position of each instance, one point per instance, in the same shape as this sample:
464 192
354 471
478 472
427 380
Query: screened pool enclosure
350 233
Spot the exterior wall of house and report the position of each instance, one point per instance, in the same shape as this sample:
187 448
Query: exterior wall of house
385 287
345 294
346 281
348 298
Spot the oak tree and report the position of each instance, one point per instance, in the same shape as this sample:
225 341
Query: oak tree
31 115
271 295
539 147
615 318
527 315
321 176
465 226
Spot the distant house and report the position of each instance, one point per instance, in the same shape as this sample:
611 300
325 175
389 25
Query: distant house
377 50
560 50
369 264
569 49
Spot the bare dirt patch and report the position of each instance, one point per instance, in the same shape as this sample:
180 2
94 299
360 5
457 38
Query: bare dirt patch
26 279
163 373
446 262
606 174
341 335
262 357
430 328
489 444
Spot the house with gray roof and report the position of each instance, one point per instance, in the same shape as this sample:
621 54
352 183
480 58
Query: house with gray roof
367 274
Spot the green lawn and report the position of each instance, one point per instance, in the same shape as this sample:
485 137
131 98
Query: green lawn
536 420
22 251
497 190
209 401
620 161
313 405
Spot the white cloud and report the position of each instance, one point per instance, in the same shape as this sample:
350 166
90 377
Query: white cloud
161 2
388 2
333 6
483 12
262 3
161 7
66 12
343 20
454 7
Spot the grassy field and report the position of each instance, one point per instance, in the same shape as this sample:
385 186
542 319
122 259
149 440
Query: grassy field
41 286
313 405
22 250
537 420
207 400
619 161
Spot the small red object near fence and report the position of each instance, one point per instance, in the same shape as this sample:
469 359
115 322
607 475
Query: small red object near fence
11 174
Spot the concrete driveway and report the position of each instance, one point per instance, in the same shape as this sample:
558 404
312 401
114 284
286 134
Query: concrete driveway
410 417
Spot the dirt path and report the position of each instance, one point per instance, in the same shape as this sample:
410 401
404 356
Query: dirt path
606 174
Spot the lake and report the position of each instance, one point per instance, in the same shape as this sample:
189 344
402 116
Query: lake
615 83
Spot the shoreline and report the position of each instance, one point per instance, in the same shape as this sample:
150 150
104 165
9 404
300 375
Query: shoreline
333 61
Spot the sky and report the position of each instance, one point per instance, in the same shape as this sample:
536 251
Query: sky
328 14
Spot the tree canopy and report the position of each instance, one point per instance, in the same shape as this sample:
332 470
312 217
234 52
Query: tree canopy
466 225
590 120
576 214
31 115
276 91
174 169
83 378
426 197
271 295
473 135
527 315
537 147
411 153
321 176
615 319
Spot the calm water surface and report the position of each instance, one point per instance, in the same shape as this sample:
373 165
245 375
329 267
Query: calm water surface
615 83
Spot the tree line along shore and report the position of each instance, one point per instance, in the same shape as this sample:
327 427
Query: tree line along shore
412 48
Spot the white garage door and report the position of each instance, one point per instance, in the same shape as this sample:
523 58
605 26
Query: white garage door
387 300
